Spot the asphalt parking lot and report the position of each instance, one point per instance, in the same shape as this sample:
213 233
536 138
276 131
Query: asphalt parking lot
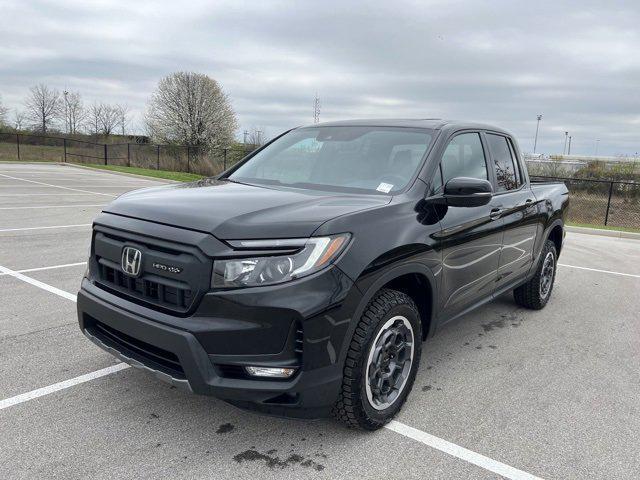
549 394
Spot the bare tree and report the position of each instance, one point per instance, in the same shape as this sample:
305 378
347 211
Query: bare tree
123 117
95 112
18 119
109 118
75 112
43 107
190 108
256 136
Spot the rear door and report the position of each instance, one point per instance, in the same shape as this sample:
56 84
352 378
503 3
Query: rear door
516 206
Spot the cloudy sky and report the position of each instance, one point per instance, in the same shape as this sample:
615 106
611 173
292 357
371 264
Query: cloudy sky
502 62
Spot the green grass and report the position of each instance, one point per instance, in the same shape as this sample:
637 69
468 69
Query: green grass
147 172
602 227
31 153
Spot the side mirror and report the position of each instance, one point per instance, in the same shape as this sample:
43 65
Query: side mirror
467 192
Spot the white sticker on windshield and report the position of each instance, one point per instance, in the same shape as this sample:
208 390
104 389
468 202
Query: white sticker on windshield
384 187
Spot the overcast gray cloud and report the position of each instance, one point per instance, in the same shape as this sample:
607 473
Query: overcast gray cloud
502 62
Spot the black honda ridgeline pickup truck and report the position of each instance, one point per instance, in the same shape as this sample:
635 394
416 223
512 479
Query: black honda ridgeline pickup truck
303 280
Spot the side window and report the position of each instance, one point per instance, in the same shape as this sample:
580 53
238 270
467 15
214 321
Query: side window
507 175
516 162
464 157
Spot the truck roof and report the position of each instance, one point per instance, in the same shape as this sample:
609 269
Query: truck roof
432 123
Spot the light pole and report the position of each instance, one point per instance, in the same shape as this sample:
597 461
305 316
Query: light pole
569 152
597 143
535 142
66 112
566 136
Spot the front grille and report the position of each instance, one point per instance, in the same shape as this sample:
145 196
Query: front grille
149 355
172 276
155 292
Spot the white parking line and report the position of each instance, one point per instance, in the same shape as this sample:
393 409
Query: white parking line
38 283
45 194
101 185
25 397
600 271
53 267
54 206
43 228
460 452
56 186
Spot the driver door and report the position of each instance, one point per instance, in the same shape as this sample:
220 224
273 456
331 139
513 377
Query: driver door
471 237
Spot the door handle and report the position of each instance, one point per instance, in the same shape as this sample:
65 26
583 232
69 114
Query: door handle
495 213
528 201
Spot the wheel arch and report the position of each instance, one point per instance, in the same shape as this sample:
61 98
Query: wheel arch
556 235
413 279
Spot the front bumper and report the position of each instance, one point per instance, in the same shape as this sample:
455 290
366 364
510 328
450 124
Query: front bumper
191 352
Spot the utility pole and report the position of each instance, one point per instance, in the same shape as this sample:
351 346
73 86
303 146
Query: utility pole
245 137
564 149
569 152
316 109
67 125
535 142
597 143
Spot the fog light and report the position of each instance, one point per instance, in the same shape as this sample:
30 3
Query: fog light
270 372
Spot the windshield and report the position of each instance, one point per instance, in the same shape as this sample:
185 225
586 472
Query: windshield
358 159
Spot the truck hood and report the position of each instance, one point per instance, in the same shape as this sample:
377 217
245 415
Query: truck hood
239 211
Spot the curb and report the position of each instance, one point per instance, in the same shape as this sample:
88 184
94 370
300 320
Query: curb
134 175
603 233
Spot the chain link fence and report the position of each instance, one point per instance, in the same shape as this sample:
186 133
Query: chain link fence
602 202
176 158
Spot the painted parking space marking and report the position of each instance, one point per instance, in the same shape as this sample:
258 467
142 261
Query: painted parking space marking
24 229
30 207
600 271
56 387
52 267
83 185
45 194
56 186
459 452
38 283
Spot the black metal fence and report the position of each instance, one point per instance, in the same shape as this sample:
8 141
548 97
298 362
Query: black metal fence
177 158
602 202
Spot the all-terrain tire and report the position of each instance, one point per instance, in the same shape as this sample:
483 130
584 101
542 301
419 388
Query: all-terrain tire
532 295
353 406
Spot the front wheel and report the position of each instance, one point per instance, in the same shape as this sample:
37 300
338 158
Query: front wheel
382 361
536 292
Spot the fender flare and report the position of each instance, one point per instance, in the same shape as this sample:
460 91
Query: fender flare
382 280
543 238
552 225
547 231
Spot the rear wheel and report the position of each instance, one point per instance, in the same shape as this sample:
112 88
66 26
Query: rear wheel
536 292
382 361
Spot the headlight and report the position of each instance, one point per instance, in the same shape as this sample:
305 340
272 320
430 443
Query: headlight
310 255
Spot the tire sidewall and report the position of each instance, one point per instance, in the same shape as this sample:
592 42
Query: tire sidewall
549 248
383 416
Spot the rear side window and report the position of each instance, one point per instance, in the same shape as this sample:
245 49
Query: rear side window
464 157
507 174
